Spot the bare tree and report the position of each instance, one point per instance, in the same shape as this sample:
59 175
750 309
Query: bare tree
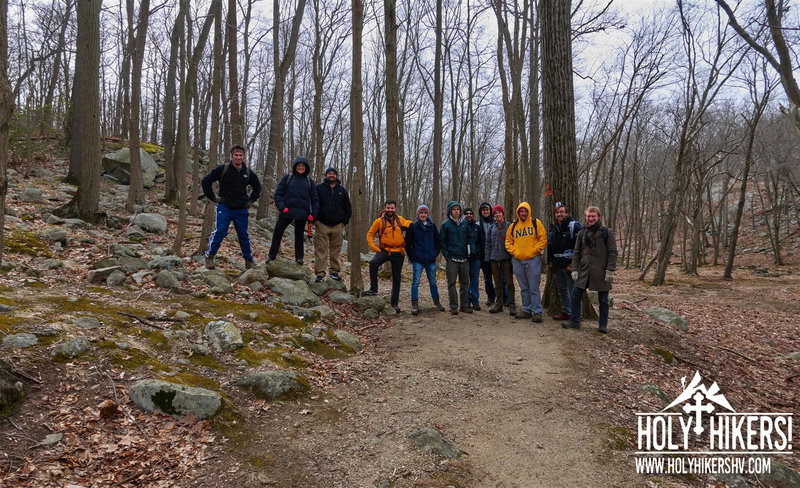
358 195
136 188
6 109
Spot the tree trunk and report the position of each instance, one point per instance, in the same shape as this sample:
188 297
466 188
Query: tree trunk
136 188
392 105
6 109
233 75
438 109
357 189
168 132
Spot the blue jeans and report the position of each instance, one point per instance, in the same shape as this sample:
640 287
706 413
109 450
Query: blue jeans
529 277
224 217
430 272
474 274
577 306
565 284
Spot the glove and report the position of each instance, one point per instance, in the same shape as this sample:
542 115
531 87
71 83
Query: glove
574 276
609 276
310 218
569 267
285 210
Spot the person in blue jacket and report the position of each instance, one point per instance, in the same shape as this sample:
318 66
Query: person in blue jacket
232 203
298 202
422 247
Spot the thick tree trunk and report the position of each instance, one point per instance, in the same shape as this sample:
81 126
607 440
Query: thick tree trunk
392 104
168 132
6 109
136 188
357 189
233 75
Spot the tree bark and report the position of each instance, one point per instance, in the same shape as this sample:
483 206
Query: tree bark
136 188
392 105
357 189
6 109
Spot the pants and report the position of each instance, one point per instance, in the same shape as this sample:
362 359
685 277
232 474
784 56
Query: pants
327 247
458 271
474 275
397 266
488 284
577 306
565 284
280 228
430 272
529 277
224 217
501 273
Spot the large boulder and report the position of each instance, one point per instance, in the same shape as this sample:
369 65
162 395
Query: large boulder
289 270
149 222
376 303
174 399
341 297
252 276
70 349
347 339
171 263
223 336
20 341
98 276
30 194
272 385
295 293
324 286
126 264
218 281
118 165
431 441
668 317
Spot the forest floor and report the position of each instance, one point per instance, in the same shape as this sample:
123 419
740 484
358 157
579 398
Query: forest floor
526 404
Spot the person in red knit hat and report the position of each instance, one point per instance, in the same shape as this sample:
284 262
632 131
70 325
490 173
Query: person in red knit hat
500 258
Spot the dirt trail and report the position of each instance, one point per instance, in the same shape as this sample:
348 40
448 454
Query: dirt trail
500 390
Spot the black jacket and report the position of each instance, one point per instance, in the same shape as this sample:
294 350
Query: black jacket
232 186
561 242
298 193
334 204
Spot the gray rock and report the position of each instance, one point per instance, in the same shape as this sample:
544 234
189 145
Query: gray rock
76 223
52 219
116 278
733 480
794 355
781 476
166 279
431 441
113 222
86 322
122 251
371 314
251 276
295 293
70 349
177 334
347 339
134 232
306 313
171 263
30 194
180 314
199 350
52 264
272 385
376 303
324 311
340 297
118 165
99 276
255 286
324 286
218 281
149 222
654 389
57 235
127 264
11 389
223 336
289 270
173 399
41 173
139 277
20 341
668 317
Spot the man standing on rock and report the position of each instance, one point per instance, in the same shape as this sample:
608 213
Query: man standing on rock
391 244
560 246
593 264
455 237
232 203
334 214
525 241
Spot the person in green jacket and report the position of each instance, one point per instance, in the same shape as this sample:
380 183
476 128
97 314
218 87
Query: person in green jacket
455 237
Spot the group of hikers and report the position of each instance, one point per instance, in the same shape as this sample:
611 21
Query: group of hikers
580 257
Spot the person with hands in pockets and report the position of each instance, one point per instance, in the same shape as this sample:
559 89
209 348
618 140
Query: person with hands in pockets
298 202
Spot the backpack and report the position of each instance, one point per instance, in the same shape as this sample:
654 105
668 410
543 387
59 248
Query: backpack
535 226
603 234
291 175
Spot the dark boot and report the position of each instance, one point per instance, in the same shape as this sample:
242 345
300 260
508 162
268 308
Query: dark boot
414 307
438 304
512 310
602 329
571 325
209 263
524 316
248 264
466 309
498 308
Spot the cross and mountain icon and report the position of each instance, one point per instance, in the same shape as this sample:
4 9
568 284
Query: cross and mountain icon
697 398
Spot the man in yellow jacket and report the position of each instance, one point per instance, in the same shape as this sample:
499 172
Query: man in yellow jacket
391 247
526 238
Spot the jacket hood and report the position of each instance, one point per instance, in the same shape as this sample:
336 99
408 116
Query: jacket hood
488 219
526 206
450 206
300 160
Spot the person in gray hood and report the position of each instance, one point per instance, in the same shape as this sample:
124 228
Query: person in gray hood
455 237
500 260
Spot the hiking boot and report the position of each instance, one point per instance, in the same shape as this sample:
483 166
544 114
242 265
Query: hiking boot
335 276
396 309
489 303
524 316
269 260
497 308
438 304
571 325
414 307
476 307
512 310
209 263
561 316
537 318
319 279
453 311
299 261
602 329
249 264
370 293
466 310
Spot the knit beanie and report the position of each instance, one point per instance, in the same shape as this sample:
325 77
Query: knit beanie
498 207
332 169
468 209
423 207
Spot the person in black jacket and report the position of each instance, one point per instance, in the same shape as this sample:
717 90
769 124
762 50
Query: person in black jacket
476 245
422 247
560 246
232 203
297 201
334 214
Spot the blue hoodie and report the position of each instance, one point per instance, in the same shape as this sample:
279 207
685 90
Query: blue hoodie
422 242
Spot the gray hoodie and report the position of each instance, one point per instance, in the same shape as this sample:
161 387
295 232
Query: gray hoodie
496 242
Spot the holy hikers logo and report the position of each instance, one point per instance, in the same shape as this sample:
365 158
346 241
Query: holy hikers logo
703 426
